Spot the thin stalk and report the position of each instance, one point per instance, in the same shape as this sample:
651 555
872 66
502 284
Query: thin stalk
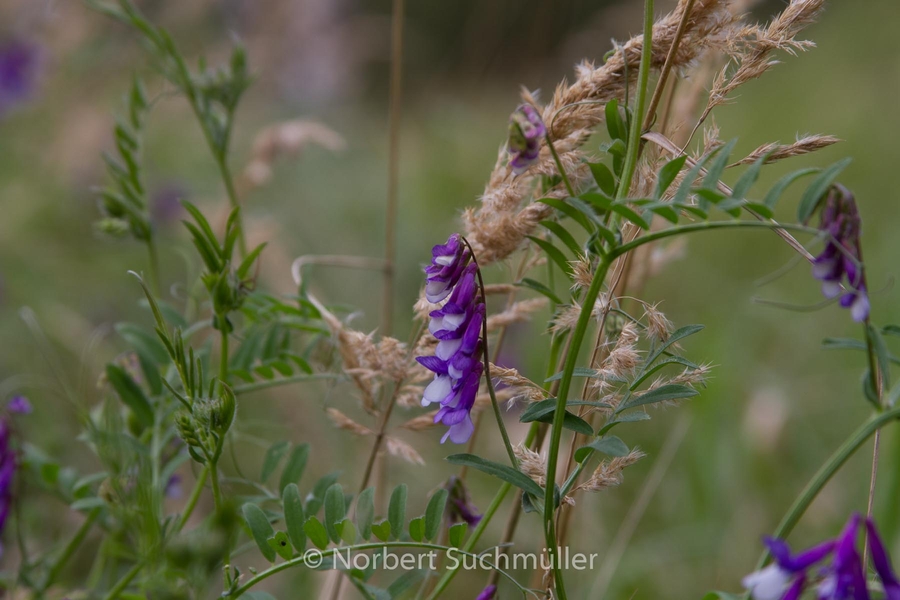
487 365
559 166
70 548
634 136
390 235
270 383
153 255
123 582
300 560
575 342
223 355
826 472
667 66
192 500
878 377
231 191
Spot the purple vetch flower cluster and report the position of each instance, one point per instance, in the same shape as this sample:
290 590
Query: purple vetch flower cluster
19 405
457 325
459 505
841 260
525 132
18 72
842 579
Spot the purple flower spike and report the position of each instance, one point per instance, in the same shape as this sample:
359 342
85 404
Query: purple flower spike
525 132
487 593
459 506
882 563
457 325
839 264
7 472
19 405
18 73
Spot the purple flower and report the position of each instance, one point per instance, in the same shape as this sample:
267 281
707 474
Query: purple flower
173 487
457 325
840 262
525 132
843 579
882 563
18 72
447 264
785 578
487 593
19 405
7 471
459 506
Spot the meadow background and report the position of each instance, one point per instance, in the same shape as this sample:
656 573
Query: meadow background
777 404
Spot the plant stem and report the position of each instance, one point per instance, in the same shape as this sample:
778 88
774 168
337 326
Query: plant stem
487 364
827 471
270 383
300 560
575 341
390 234
634 136
559 166
192 500
449 574
154 265
225 171
70 548
667 66
124 581
223 352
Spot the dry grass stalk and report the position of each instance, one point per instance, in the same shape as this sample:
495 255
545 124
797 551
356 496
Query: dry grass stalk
289 138
532 464
752 47
499 226
658 325
342 421
401 449
518 385
519 312
775 151
609 473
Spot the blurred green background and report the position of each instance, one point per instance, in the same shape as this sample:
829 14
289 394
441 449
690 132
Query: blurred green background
777 404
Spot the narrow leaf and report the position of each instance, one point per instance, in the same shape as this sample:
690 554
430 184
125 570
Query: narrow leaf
316 533
782 184
818 188
609 445
334 511
273 456
365 512
417 529
671 391
504 472
130 393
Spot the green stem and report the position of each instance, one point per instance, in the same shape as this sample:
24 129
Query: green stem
223 356
705 226
70 548
270 383
300 560
559 166
192 501
449 574
154 265
124 581
637 113
575 342
827 471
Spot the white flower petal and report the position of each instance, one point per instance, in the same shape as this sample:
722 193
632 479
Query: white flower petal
437 390
767 584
